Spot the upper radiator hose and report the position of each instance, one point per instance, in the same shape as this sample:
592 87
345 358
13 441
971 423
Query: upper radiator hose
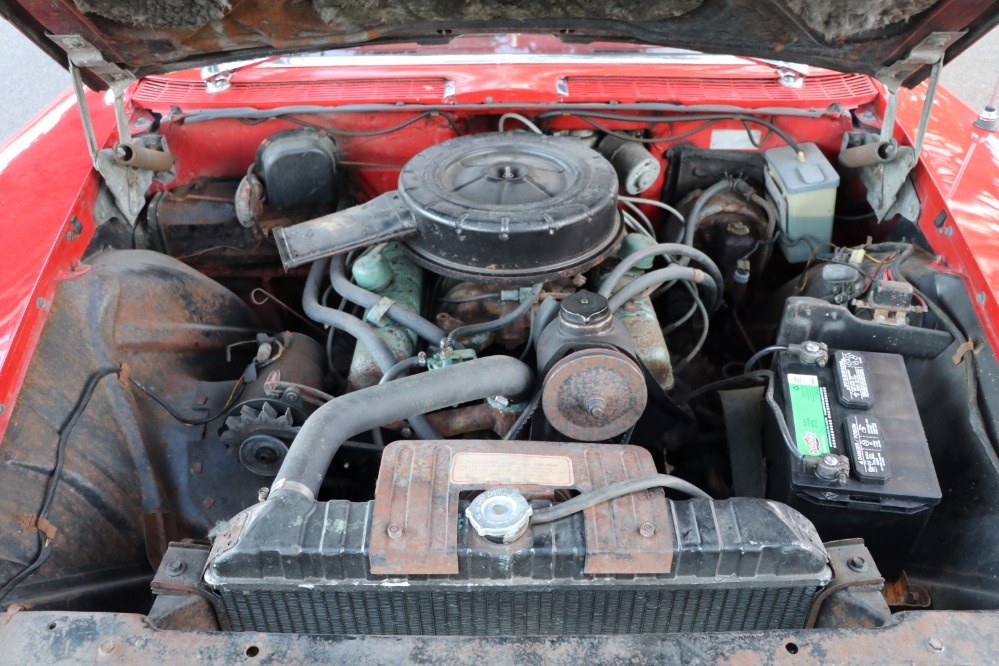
313 449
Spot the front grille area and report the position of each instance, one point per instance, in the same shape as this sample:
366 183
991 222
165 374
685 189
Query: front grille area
517 612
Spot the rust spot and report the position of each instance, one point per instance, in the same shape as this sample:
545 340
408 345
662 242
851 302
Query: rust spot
416 489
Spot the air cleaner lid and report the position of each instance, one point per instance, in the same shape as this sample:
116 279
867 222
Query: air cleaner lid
511 204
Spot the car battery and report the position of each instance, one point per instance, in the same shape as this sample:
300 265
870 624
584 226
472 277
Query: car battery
859 405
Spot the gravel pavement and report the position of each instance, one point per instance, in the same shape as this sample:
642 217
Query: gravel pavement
30 79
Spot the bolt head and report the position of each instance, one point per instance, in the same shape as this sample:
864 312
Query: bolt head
175 567
596 407
647 530
935 644
394 531
106 647
857 563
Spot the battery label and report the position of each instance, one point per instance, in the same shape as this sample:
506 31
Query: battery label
867 448
810 415
852 383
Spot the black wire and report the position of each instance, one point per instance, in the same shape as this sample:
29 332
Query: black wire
470 299
470 330
233 397
638 139
387 130
752 139
530 338
714 117
723 383
828 260
45 543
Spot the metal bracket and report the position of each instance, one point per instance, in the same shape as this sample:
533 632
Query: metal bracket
792 75
885 179
86 56
853 567
927 52
180 573
218 78
129 168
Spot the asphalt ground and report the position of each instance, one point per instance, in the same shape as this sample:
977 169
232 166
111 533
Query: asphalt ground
30 79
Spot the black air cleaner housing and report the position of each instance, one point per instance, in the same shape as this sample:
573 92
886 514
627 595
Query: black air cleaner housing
508 207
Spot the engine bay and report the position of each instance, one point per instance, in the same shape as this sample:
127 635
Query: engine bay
488 374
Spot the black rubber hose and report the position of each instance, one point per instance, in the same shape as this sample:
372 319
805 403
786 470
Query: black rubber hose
546 314
695 213
496 324
659 277
365 335
612 492
403 367
398 313
325 431
664 249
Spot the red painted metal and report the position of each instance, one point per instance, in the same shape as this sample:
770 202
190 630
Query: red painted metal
818 89
750 85
958 175
157 91
46 179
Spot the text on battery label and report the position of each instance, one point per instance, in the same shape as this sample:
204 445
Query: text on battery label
803 380
868 448
854 378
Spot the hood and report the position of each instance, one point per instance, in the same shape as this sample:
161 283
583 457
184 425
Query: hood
893 39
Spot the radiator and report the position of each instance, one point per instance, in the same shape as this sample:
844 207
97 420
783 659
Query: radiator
408 563
518 611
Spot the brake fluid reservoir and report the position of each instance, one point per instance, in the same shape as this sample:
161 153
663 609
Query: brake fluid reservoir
805 194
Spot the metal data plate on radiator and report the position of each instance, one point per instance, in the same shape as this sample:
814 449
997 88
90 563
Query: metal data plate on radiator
415 516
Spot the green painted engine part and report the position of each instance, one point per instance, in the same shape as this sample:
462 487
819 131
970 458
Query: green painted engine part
392 275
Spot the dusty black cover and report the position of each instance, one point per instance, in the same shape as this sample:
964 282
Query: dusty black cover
148 36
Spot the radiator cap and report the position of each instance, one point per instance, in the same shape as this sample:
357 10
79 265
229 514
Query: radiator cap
500 515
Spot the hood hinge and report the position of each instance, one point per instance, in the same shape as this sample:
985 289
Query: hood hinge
886 178
130 167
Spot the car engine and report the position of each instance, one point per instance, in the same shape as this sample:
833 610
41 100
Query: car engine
509 383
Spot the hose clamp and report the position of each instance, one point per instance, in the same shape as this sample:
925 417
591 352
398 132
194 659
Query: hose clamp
292 486
376 314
